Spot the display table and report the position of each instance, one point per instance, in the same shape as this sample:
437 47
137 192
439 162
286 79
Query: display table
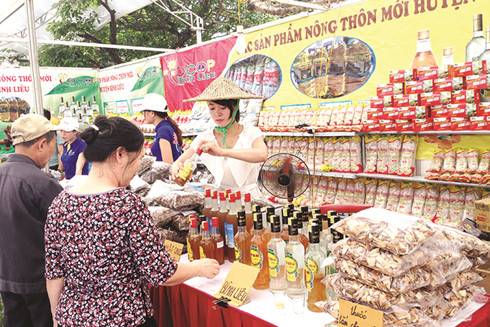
192 304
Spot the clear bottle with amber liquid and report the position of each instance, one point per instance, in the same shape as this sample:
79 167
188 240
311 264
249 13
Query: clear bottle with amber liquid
315 256
286 214
222 213
238 200
218 240
242 240
185 173
207 203
476 45
230 227
258 254
301 230
206 248
193 241
276 253
424 57
214 207
248 211
295 268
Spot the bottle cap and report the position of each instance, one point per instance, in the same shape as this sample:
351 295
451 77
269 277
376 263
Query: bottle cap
290 206
215 221
256 208
293 226
238 195
270 211
214 194
477 22
304 210
205 226
222 196
298 215
423 34
275 224
314 233
447 51
227 192
258 221
198 151
232 198
207 192
331 213
286 214
241 221
248 197
193 223
316 211
192 216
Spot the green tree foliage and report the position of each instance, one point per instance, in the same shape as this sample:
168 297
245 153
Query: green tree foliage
151 26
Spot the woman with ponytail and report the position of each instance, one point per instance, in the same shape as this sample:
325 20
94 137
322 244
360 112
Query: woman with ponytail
102 248
167 146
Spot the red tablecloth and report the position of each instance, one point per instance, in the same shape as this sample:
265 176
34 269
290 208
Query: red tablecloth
185 306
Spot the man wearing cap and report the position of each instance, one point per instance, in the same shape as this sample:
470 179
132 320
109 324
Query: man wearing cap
26 192
167 146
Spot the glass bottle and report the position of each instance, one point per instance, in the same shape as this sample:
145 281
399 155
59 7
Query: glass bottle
276 253
83 106
90 113
447 56
315 256
485 96
230 227
258 254
67 112
61 108
207 203
190 165
219 244
73 107
336 236
269 212
238 200
305 211
476 46
94 107
295 268
424 56
301 233
242 240
286 214
193 241
206 248
248 211
214 206
223 212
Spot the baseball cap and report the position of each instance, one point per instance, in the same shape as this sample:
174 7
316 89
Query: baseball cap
29 127
154 102
68 124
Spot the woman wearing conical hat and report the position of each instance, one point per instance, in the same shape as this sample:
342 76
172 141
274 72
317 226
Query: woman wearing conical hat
231 151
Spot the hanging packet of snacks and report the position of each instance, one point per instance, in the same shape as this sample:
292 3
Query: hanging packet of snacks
345 155
472 158
436 165
319 155
357 118
349 115
284 145
293 145
393 196
276 145
325 116
407 156
472 195
406 199
371 190
419 196
382 194
341 116
321 191
482 169
337 153
310 160
331 190
457 197
371 144
350 190
328 154
449 165
355 155
443 206
359 191
341 189
383 155
431 201
302 148
461 161
334 118
394 149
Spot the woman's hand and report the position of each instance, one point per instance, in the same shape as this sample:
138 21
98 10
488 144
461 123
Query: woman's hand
208 268
210 147
174 169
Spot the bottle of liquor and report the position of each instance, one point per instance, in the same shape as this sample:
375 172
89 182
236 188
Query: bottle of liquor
258 254
269 213
61 108
223 212
276 252
242 240
207 203
301 233
206 248
295 268
219 244
315 256
94 107
248 211
424 56
230 227
83 105
485 96
286 214
476 46
305 211
78 112
190 165
73 107
193 241
326 239
336 236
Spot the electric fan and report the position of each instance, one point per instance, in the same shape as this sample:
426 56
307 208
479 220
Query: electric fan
285 176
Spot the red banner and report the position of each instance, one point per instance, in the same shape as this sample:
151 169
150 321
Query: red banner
186 74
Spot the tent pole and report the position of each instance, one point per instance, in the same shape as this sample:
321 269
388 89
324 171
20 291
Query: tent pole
33 57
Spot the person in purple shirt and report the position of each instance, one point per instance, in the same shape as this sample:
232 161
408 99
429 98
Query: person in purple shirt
72 156
167 146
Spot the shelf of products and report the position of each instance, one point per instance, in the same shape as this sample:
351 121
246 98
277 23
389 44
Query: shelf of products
419 179
319 134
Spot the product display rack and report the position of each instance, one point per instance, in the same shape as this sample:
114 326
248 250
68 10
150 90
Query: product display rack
419 179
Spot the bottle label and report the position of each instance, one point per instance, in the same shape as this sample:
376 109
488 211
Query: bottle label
291 267
184 173
309 276
256 257
201 252
238 254
189 251
230 235
312 265
273 263
220 244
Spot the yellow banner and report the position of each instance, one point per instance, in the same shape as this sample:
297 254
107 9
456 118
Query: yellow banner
364 43
428 144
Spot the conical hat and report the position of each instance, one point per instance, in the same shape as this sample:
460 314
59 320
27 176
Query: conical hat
223 89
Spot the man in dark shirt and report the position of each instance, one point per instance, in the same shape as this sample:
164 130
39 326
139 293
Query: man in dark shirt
25 195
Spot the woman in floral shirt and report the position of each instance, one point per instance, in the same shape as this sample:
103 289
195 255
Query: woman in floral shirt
102 249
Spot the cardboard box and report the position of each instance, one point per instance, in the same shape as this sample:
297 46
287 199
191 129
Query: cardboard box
471 109
478 123
470 68
484 271
405 113
375 114
442 124
430 99
466 96
482 211
445 71
376 102
414 87
476 82
425 73
405 100
484 109
456 110
388 101
459 124
446 97
403 125
390 113
371 126
423 125
443 85
385 89
387 125
439 112
401 76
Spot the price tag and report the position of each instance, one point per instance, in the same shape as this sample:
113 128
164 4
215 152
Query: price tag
174 249
237 284
357 315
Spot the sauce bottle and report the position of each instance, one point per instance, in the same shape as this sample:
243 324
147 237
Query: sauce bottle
248 212
207 203
206 248
286 214
258 254
230 226
193 241
185 173
219 244
242 240
223 212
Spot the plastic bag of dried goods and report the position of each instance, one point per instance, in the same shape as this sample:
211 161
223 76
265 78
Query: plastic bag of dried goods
159 170
371 144
162 216
181 200
472 158
331 190
447 266
419 196
471 246
139 186
391 231
371 189
146 163
461 160
393 196
382 194
345 155
449 165
407 156
349 191
328 154
341 188
437 161
431 201
472 195
359 191
443 206
337 153
349 115
355 155
357 119
484 165
383 155
319 154
172 235
394 148
406 198
456 205
310 159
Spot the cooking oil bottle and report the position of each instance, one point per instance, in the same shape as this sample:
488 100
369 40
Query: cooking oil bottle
258 254
242 240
